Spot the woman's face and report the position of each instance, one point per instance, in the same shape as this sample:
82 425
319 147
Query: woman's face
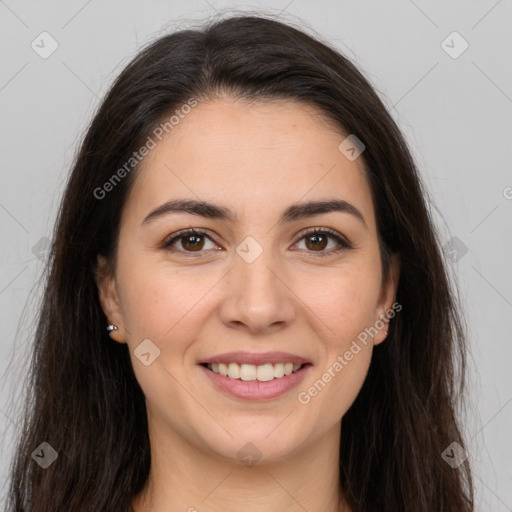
255 282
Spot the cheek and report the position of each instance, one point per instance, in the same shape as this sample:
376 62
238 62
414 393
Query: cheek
347 374
159 301
343 299
165 307
346 308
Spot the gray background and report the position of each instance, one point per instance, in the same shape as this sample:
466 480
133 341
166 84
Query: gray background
455 113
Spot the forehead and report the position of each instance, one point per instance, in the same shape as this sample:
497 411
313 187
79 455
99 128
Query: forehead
255 158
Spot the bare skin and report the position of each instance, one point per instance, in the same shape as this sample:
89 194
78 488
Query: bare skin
197 300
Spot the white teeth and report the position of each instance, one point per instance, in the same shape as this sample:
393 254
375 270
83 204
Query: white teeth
234 371
247 371
265 372
251 372
278 370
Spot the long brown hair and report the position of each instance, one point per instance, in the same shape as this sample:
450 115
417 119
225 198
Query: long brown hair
83 398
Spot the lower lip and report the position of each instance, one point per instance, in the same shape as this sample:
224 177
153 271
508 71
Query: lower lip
255 389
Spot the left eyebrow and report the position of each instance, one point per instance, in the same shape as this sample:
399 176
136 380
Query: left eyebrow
294 212
301 210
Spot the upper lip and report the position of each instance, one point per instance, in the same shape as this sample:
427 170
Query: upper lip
241 357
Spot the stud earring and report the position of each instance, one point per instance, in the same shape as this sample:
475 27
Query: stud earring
111 328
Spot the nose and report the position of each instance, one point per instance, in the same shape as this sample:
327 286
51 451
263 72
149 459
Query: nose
256 296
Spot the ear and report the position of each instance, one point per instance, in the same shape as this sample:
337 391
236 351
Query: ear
109 300
386 300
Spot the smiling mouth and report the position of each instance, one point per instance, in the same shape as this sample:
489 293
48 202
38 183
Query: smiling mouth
250 372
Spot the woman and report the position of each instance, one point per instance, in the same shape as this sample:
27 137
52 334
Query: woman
246 304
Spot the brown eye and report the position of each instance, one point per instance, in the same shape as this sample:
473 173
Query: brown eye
192 242
317 241
188 241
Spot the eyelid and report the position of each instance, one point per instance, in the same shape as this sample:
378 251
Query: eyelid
169 240
331 232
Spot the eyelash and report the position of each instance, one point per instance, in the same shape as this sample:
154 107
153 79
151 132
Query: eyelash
343 243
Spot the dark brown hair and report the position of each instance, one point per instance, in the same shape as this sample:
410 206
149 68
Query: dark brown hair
83 397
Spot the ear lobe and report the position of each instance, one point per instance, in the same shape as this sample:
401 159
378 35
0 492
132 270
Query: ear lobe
107 293
387 297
